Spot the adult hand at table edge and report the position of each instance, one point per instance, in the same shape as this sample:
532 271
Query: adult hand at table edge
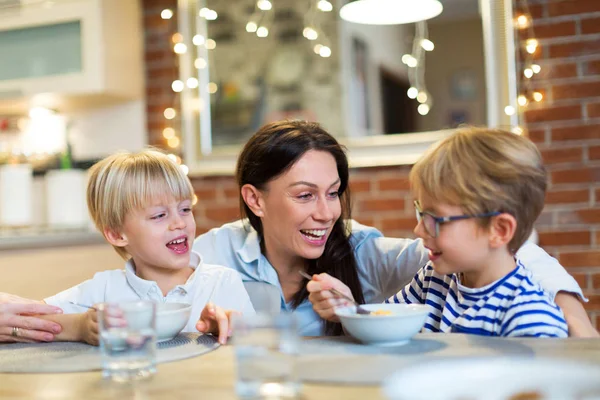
323 300
577 319
30 327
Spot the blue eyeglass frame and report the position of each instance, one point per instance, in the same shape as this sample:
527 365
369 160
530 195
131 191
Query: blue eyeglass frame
443 220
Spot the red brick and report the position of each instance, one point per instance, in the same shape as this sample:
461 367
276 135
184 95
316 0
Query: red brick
553 114
574 49
580 259
595 281
222 214
537 135
592 68
545 219
381 205
231 193
593 110
594 303
581 278
588 25
553 30
594 153
403 224
597 326
558 71
568 7
583 132
576 175
564 238
555 156
585 216
576 90
597 197
360 185
567 196
205 194
369 221
393 184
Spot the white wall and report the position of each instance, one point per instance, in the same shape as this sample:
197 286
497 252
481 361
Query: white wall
100 132
385 47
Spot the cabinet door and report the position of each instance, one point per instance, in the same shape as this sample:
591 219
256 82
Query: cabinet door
40 51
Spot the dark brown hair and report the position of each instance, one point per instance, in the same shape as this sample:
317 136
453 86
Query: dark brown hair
272 151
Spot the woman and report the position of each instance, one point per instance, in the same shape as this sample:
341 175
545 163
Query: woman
17 323
293 179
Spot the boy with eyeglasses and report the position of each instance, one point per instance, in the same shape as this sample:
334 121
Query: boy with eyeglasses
478 194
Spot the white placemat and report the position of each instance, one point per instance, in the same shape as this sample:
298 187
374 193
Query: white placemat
79 357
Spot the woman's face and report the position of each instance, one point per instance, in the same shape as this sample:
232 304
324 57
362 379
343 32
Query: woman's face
300 208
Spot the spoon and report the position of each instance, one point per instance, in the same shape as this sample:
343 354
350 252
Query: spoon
359 309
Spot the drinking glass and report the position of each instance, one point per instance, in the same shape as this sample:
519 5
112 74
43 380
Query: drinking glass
127 340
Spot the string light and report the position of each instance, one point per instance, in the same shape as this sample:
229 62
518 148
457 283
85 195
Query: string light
192 83
198 40
177 86
251 27
170 113
200 63
537 96
180 48
324 6
210 44
166 14
264 5
415 61
262 31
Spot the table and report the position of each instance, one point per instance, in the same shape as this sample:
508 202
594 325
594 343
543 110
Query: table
211 376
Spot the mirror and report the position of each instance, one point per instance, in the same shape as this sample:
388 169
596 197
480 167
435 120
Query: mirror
266 60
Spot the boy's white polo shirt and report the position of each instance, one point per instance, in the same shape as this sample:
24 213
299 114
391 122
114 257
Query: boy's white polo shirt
220 285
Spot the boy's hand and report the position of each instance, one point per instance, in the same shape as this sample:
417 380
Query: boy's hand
323 300
215 320
88 327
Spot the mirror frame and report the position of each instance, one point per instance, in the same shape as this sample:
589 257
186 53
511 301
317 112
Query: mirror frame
371 151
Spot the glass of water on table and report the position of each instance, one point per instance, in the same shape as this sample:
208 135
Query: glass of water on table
266 349
127 340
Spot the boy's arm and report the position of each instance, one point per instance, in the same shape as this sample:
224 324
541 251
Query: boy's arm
76 327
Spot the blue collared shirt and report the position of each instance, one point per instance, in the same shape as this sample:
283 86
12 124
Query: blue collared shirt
385 265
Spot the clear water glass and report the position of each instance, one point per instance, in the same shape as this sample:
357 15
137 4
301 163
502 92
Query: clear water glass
266 350
127 340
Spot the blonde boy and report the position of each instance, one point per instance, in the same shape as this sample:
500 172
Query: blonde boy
142 203
478 194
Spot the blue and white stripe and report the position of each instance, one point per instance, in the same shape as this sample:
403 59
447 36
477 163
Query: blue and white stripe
511 306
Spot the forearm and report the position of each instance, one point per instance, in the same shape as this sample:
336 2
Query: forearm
577 319
72 326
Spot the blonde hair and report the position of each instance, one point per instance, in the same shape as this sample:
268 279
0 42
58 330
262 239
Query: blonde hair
126 181
485 170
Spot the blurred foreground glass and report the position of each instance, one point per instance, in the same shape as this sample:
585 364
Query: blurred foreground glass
127 340
266 348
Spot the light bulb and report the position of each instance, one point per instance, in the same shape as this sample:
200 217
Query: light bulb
509 110
409 60
522 21
168 133
422 97
166 14
528 72
170 113
531 46
536 68
173 142
212 88
423 109
251 27
180 48
310 33
537 96
192 83
522 100
517 130
200 63
325 51
203 12
210 44
262 32
177 37
177 86
324 5
317 48
412 92
198 40
211 15
184 168
427 45
264 5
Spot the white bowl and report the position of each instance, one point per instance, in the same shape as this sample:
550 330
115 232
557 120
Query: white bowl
405 321
171 318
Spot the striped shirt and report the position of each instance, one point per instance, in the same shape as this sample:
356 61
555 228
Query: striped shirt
512 306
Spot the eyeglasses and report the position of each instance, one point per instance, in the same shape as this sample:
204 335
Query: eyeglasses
432 222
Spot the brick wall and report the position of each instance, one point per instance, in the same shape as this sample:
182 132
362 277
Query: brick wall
566 126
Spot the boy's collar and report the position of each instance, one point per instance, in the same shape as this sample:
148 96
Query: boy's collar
142 286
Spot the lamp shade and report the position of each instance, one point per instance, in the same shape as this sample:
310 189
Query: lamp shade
390 12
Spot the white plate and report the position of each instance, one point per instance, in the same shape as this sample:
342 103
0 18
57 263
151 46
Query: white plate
495 379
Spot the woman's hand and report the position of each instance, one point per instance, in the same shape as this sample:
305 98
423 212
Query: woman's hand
323 300
19 324
216 320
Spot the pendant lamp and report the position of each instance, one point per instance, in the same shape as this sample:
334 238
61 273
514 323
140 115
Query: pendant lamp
390 12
